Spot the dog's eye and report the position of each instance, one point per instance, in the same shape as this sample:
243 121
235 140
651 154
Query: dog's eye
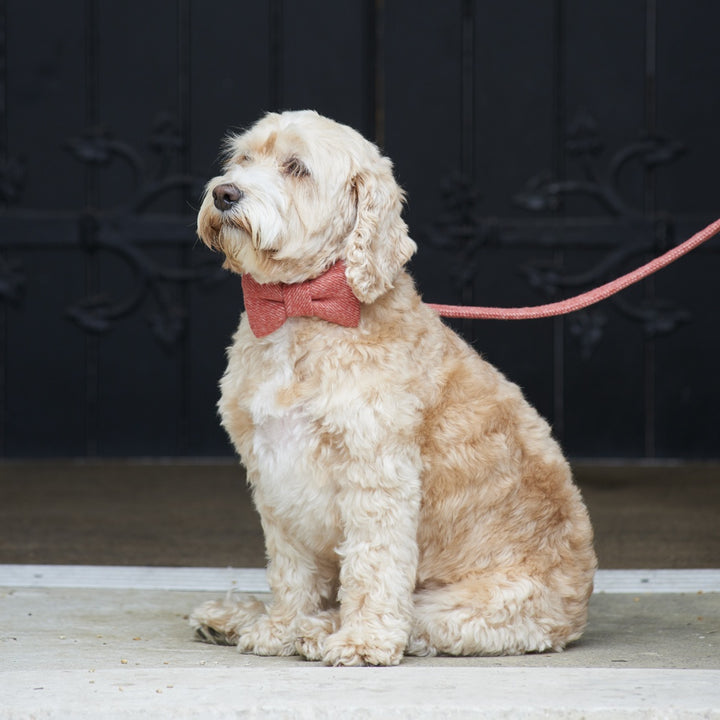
243 158
295 168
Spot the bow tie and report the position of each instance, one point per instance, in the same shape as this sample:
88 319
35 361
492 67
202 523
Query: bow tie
328 297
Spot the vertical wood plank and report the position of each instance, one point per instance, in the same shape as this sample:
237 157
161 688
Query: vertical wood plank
420 113
45 100
139 388
688 104
514 108
137 67
229 75
323 59
215 311
139 400
514 111
423 102
604 73
604 358
687 378
688 107
231 88
44 361
45 369
604 85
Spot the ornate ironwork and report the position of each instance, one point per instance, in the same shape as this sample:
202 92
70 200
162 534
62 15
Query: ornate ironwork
12 180
12 183
587 328
97 313
12 281
544 193
460 230
464 232
123 230
583 145
657 316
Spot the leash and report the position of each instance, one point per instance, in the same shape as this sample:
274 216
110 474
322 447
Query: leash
585 299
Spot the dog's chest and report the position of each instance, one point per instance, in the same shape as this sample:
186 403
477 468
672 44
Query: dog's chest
291 482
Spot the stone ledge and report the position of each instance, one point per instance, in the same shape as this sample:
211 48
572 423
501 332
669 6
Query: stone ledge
403 692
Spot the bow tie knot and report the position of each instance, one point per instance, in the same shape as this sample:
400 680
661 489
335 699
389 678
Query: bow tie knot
328 297
298 300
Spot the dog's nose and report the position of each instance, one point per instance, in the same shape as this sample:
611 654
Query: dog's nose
226 195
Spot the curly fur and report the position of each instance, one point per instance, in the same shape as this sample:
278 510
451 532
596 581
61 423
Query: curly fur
412 500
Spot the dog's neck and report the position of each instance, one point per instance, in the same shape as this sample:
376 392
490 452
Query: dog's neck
327 297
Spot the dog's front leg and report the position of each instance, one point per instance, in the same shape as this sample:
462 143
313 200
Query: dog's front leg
379 503
298 590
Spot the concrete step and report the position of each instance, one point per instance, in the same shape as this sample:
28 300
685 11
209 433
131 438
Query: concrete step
415 693
79 642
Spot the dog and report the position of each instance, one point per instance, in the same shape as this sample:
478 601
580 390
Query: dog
412 501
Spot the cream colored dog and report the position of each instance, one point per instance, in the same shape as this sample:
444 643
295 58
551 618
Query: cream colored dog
412 500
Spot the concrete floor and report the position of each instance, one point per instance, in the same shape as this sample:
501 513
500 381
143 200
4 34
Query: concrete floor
87 642
87 652
78 628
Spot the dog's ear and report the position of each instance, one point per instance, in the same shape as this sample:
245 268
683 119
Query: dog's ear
378 245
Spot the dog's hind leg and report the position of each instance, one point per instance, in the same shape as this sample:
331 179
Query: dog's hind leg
494 615
221 621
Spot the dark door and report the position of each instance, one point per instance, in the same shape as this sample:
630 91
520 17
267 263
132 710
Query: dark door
546 147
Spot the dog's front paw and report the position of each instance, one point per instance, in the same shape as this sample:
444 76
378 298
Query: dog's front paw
268 637
314 631
354 647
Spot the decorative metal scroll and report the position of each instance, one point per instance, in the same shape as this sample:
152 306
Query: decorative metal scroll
122 237
12 277
124 231
12 180
465 233
127 228
12 281
584 146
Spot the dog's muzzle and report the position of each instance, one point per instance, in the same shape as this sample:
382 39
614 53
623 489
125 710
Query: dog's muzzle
226 195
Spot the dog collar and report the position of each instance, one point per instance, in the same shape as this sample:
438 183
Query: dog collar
327 297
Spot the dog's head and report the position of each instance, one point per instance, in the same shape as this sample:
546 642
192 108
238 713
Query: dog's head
300 192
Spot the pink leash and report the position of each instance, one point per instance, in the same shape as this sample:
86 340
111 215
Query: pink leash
580 301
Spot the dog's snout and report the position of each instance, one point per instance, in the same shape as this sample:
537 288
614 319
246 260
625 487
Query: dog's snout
226 195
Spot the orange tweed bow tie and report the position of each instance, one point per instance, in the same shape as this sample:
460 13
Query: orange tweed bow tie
328 297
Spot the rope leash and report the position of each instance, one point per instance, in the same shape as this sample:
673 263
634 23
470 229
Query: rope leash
578 302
